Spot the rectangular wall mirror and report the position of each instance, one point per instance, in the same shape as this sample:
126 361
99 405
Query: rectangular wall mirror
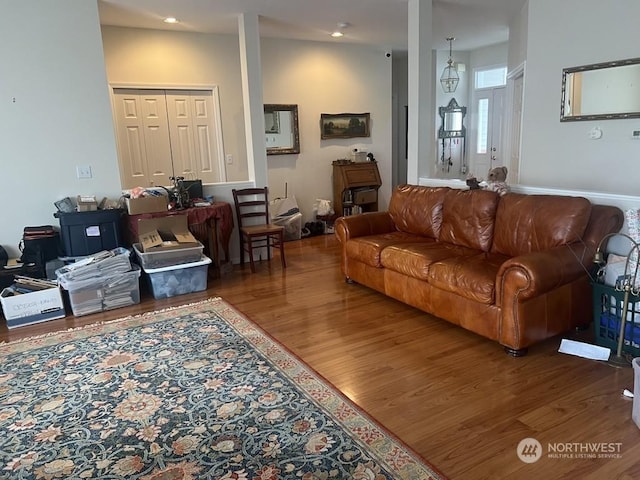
281 129
601 91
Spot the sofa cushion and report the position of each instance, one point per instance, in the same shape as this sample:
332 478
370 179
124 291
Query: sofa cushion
472 277
468 218
414 259
368 249
531 223
417 209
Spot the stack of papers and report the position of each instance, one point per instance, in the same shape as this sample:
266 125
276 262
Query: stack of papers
584 350
100 265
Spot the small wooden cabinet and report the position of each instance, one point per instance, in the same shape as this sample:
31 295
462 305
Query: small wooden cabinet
355 188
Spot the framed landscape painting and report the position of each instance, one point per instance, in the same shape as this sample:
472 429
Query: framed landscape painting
344 125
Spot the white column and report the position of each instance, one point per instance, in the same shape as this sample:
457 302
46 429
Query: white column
420 132
251 72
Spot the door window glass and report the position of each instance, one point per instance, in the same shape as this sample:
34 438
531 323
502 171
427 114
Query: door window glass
483 125
494 77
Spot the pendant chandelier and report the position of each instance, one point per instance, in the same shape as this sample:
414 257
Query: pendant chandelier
449 78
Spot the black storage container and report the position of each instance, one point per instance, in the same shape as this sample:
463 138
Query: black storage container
84 233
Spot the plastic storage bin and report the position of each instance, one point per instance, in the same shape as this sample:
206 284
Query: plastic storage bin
608 304
85 233
167 258
97 294
178 279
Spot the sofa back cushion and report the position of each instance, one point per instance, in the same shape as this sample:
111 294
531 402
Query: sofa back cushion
531 223
468 218
417 209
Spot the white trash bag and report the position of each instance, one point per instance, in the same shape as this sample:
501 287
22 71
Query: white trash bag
323 207
285 212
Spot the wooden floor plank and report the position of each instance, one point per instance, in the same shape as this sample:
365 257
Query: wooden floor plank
452 396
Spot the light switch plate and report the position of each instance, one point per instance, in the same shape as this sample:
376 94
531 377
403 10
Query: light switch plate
83 171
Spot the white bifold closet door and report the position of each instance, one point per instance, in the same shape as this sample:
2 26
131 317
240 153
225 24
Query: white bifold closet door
165 133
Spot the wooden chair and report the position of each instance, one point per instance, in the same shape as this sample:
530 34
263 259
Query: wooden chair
255 231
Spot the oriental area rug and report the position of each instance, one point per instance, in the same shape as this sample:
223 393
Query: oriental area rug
192 392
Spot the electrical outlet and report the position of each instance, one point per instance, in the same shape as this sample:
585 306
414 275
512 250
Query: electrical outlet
83 171
229 158
635 134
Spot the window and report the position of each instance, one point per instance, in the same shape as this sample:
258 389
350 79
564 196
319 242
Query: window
483 125
494 77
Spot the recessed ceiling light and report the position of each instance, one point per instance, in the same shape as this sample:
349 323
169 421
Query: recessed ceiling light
170 20
338 33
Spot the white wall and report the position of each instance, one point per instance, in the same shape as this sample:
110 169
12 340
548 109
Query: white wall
491 56
143 57
54 68
55 112
518 31
326 78
318 77
461 96
61 77
554 154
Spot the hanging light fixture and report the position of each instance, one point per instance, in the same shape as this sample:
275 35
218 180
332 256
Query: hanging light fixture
449 78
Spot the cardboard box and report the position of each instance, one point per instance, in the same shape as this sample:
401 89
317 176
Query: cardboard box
86 204
150 204
30 308
164 233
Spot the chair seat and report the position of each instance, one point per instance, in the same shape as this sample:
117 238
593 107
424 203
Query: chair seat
261 229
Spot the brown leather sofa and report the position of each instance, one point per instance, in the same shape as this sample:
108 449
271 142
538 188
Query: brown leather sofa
511 268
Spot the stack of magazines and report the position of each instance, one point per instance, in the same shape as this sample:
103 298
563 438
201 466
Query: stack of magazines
102 264
101 281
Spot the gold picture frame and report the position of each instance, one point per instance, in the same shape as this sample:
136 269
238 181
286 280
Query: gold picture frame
344 125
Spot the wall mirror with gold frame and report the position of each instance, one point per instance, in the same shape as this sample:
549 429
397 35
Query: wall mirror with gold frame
601 91
281 129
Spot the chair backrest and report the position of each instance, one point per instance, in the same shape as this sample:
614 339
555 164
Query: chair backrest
251 203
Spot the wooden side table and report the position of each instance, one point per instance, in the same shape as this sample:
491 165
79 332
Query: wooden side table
212 225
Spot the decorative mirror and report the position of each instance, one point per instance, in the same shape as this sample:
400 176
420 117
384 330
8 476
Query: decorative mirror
452 120
601 91
281 129
452 133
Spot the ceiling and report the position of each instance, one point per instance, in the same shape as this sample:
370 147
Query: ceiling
382 23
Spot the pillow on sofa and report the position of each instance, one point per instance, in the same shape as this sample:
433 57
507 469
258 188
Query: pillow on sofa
531 223
468 218
417 209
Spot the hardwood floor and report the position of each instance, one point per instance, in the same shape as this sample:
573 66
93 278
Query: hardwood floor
452 396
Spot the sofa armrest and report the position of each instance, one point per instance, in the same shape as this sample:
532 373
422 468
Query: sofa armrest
370 223
527 276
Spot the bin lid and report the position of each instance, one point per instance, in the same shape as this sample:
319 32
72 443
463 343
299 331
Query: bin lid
205 261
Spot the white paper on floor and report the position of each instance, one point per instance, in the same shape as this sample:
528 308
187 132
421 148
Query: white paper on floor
585 350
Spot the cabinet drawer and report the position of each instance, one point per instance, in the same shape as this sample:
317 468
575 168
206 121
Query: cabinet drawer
365 196
361 176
